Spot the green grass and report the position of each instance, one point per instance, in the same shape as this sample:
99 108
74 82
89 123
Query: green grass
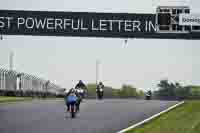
5 99
183 119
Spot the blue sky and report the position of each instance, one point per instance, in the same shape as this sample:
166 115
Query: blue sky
64 60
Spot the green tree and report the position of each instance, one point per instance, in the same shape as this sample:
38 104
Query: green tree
181 92
166 89
128 91
194 91
172 90
91 93
141 93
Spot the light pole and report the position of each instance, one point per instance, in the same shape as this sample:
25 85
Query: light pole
20 83
11 60
97 70
46 86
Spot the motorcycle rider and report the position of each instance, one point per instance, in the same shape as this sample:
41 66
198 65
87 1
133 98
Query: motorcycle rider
99 87
148 95
81 85
72 91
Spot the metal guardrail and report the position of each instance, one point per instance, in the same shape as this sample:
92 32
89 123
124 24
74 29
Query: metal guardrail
13 80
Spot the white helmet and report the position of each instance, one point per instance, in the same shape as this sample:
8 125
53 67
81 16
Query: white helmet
73 90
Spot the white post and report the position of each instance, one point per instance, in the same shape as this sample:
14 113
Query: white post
1 80
25 82
40 85
22 82
17 83
4 81
97 71
28 83
11 60
31 85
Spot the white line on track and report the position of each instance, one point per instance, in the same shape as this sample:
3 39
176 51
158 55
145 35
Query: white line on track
150 118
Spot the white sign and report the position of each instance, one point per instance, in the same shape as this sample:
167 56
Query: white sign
189 19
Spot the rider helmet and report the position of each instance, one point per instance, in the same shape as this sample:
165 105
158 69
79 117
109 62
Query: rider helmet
73 90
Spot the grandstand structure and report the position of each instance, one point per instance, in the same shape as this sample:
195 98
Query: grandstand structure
14 81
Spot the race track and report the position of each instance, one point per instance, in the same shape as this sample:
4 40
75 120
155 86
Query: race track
107 116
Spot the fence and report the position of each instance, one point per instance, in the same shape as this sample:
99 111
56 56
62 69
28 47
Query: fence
13 81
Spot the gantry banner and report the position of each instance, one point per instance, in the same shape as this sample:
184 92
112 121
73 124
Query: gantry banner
84 24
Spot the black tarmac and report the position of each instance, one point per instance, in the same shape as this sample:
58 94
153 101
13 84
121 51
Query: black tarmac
105 116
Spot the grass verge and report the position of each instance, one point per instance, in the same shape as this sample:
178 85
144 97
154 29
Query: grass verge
183 119
5 99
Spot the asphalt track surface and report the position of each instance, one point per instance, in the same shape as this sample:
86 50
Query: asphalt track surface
107 116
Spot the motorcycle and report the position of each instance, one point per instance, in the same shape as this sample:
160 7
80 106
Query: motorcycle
148 97
81 93
100 93
72 100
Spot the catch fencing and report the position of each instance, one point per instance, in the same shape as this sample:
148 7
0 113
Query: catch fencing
17 81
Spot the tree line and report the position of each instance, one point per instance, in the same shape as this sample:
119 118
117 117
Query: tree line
169 90
126 91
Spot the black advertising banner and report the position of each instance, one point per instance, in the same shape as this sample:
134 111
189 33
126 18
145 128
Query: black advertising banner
83 24
75 23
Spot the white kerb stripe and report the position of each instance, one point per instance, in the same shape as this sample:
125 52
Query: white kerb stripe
150 118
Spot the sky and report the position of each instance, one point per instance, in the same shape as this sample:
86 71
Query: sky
65 60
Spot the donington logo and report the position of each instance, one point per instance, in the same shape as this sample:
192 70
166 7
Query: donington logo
177 19
189 19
